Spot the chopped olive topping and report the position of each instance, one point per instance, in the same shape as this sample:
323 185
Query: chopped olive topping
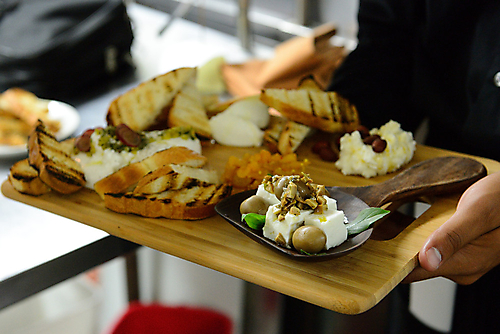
296 193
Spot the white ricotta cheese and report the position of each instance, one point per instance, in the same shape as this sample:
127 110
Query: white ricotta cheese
104 162
356 158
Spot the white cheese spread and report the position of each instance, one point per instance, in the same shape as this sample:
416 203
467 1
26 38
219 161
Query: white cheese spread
356 158
103 161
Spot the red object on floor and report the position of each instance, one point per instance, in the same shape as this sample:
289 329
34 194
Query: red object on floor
156 319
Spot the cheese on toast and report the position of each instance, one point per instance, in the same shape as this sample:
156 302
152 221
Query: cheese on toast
130 175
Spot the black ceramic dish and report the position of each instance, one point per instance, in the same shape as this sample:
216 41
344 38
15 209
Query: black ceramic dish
229 209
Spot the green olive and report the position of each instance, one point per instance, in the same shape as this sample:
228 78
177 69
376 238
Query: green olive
254 204
303 189
281 186
308 238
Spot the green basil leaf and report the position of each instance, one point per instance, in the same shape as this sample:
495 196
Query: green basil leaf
365 220
254 220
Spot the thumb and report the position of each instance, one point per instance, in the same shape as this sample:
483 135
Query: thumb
461 229
467 223
440 246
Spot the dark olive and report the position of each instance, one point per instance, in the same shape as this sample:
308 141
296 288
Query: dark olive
320 145
328 154
128 136
254 204
363 131
379 145
370 139
308 238
82 143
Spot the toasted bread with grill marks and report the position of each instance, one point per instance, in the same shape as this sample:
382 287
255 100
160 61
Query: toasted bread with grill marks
188 110
130 175
292 136
273 132
24 179
174 177
327 111
53 162
140 107
187 203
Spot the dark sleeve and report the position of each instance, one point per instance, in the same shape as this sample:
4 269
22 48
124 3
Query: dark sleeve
376 76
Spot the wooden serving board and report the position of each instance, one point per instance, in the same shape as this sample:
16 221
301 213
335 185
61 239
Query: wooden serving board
350 284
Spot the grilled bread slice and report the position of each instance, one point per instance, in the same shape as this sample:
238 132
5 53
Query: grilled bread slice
273 132
140 107
188 110
327 111
187 203
24 179
175 177
53 162
129 175
292 136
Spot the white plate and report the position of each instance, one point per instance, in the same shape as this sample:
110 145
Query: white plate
67 116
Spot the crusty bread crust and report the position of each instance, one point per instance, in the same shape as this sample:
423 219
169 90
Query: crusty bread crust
292 136
53 162
24 179
139 107
188 203
326 111
129 175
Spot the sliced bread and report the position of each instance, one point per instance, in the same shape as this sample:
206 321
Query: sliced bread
130 175
188 110
174 177
188 203
140 107
292 136
53 162
24 179
326 111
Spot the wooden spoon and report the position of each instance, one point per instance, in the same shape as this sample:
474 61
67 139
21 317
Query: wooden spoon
437 176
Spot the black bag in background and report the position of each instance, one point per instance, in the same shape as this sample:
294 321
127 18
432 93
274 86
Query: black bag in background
62 48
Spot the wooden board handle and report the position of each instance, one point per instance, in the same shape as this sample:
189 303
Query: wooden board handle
435 176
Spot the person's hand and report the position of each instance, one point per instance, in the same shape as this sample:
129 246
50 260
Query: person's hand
467 245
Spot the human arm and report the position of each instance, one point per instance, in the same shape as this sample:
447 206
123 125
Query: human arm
469 242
